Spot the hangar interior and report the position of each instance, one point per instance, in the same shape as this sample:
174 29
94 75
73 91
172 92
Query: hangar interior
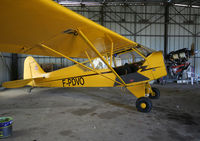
157 24
106 114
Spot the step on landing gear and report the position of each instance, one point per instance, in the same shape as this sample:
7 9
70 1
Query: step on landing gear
144 104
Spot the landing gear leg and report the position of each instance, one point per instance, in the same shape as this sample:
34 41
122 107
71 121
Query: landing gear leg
143 103
30 89
153 92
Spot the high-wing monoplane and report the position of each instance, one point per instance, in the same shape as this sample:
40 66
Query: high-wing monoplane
43 27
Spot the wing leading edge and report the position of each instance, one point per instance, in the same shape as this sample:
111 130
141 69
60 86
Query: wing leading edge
27 24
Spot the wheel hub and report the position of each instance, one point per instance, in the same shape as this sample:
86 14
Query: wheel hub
143 105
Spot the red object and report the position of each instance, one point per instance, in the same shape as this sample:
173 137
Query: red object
179 68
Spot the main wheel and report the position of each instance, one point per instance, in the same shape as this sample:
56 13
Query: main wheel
143 104
156 93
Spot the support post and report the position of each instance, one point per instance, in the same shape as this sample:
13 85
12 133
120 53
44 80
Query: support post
14 67
166 29
135 28
102 15
195 40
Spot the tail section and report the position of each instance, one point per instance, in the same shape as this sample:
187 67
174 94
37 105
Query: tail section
32 72
32 69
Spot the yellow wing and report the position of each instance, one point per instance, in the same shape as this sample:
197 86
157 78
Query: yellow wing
25 24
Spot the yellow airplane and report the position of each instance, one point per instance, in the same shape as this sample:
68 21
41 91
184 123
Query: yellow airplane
43 27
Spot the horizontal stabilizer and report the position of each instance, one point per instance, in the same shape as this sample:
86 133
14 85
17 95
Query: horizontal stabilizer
18 83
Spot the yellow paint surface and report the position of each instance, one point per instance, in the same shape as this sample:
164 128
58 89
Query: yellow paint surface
25 24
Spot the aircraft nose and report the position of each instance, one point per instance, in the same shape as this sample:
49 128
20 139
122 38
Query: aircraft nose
156 61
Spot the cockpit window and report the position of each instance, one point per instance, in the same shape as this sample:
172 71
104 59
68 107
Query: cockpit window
130 61
99 64
143 50
129 57
96 63
133 55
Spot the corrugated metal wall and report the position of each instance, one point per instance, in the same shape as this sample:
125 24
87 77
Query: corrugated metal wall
183 31
143 24
5 66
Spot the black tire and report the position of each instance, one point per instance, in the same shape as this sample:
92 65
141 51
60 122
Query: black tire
146 101
156 93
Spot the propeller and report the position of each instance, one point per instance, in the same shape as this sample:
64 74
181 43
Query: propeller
193 51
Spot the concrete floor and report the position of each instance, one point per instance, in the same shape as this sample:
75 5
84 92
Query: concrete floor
101 114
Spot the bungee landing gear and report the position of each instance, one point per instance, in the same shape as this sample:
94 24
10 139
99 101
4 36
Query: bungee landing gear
155 93
144 92
144 104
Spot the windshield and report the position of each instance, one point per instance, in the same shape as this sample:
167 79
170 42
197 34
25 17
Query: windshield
143 50
128 56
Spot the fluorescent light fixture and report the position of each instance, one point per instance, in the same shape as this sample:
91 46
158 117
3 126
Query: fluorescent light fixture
195 6
78 3
185 5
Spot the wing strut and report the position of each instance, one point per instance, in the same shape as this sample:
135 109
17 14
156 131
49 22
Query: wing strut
43 45
99 54
90 60
111 54
111 50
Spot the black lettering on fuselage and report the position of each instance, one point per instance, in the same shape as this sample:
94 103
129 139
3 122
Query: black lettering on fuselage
82 81
73 81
